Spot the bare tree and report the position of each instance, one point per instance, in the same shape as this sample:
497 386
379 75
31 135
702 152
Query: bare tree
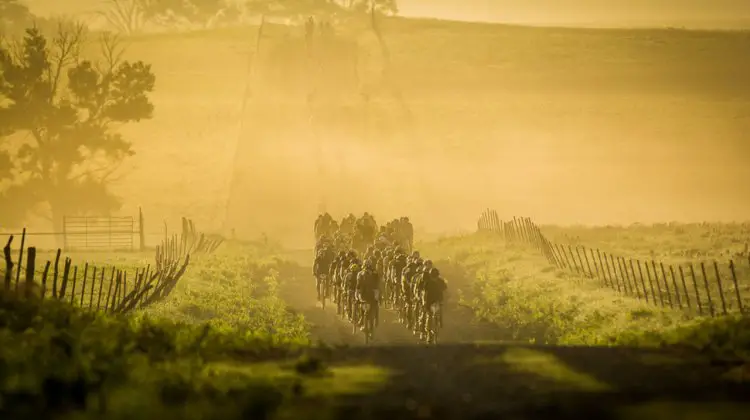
125 16
58 147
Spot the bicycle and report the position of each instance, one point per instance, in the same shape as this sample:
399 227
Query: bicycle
367 321
434 323
323 289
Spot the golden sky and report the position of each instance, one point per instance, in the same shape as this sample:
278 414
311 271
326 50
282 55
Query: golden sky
688 13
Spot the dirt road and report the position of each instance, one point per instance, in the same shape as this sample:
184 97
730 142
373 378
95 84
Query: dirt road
459 379
298 290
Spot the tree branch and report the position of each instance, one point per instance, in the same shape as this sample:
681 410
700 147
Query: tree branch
67 42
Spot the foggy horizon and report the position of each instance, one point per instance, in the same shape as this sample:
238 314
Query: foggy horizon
691 14
566 127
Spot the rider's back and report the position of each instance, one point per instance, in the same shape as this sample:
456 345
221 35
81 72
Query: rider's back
367 283
434 288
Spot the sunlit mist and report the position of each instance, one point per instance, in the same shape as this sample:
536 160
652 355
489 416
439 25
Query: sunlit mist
565 125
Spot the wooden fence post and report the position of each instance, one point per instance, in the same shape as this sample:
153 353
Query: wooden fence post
44 278
20 258
91 294
614 269
676 289
708 291
8 263
626 277
651 283
607 281
83 285
736 286
73 288
697 293
30 267
684 287
640 276
666 284
66 273
55 275
721 288
101 288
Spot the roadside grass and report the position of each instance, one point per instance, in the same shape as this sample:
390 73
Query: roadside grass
59 362
223 345
236 286
518 290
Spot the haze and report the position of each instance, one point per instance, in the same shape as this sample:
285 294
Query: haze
567 126
722 14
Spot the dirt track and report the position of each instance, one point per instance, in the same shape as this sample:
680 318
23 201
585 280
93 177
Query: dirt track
298 290
461 380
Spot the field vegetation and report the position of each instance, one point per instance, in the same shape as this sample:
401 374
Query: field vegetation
476 110
515 287
674 242
226 345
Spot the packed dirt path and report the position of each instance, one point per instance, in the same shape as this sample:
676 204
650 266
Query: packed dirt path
298 291
458 379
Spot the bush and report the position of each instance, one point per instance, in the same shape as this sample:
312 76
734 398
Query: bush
55 360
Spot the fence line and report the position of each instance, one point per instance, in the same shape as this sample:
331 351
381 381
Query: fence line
116 233
697 288
105 288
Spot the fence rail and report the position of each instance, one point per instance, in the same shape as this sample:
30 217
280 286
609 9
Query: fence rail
109 289
117 233
85 232
704 288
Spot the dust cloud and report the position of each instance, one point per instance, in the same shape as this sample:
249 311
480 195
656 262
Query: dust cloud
618 143
565 126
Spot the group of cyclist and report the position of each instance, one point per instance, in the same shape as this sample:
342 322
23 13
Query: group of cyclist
358 233
385 274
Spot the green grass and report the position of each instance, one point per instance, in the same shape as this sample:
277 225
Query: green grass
58 362
224 345
517 289
236 287
672 242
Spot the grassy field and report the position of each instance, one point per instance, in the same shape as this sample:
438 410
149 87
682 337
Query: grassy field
669 241
518 289
235 288
225 345
516 117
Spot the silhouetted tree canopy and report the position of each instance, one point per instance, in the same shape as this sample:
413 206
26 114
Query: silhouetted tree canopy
129 16
14 16
388 7
57 146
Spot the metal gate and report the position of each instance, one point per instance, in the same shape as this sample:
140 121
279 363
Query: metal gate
104 233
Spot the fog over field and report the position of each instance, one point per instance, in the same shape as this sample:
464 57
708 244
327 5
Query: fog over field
713 14
565 125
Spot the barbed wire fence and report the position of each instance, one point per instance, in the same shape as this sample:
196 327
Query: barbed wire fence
698 288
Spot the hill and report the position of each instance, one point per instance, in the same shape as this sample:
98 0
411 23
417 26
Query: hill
508 116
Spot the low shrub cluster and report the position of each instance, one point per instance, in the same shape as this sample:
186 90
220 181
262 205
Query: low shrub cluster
56 361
